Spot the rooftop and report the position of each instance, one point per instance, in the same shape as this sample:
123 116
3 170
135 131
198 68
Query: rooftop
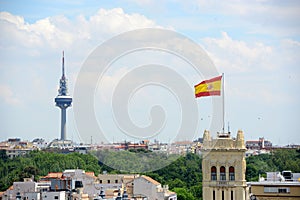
54 175
151 180
275 183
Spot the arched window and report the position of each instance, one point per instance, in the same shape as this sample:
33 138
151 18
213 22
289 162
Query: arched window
213 172
231 173
222 174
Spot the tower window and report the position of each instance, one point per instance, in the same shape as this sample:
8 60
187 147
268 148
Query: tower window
231 173
213 172
222 174
214 195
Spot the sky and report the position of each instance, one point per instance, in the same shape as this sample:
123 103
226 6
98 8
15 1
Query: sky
256 45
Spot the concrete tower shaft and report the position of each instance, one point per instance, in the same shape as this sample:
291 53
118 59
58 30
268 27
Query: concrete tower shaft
63 100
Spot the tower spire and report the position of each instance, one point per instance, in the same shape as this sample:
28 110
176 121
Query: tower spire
63 64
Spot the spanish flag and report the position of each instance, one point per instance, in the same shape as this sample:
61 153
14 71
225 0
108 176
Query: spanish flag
210 87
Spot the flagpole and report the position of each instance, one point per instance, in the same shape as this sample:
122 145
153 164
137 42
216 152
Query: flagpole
223 102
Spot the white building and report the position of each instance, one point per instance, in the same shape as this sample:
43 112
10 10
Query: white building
28 186
84 185
276 186
48 195
146 186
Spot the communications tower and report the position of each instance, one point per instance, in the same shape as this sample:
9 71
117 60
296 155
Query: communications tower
63 100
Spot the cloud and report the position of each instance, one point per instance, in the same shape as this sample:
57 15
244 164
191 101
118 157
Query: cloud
57 31
236 55
8 95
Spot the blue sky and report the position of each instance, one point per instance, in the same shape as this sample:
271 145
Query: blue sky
255 44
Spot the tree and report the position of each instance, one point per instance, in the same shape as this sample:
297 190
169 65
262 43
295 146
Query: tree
3 155
28 172
196 191
176 183
39 163
183 194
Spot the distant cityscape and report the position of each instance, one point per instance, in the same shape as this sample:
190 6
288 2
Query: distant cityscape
14 147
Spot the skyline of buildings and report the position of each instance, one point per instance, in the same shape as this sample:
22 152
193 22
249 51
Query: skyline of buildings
17 147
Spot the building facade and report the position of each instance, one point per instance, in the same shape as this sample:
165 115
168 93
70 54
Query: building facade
276 186
267 190
224 167
146 186
78 184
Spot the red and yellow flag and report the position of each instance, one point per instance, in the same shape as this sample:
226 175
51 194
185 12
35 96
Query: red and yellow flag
210 87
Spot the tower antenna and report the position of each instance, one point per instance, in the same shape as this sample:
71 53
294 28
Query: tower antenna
63 64
228 127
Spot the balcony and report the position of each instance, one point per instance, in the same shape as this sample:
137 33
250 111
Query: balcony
222 184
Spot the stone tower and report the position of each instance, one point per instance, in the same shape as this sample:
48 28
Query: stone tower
224 167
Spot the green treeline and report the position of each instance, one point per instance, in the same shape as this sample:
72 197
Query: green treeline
135 160
40 163
183 176
277 161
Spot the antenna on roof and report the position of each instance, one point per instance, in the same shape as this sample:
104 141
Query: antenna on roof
228 127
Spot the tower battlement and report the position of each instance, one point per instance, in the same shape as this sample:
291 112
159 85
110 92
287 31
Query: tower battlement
224 141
